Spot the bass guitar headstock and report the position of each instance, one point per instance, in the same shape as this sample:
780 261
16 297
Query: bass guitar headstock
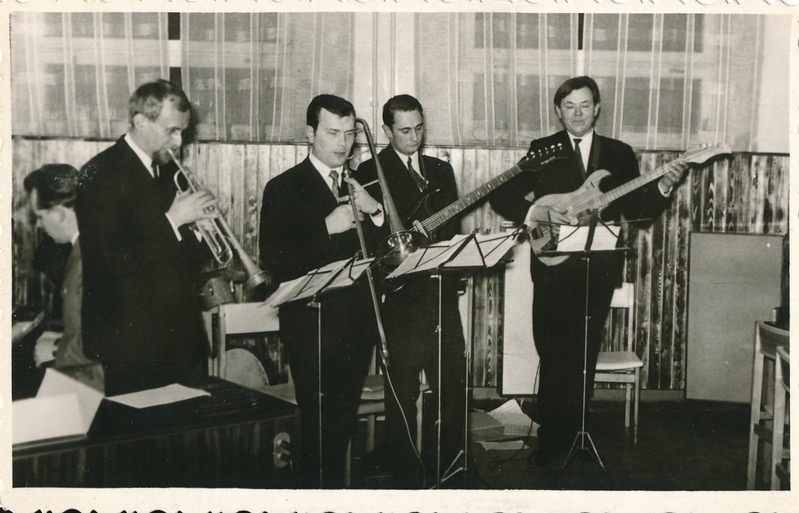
705 152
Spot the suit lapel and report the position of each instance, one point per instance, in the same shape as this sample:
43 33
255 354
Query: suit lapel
312 185
403 189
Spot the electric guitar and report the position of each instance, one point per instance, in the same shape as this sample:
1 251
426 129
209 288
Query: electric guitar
588 199
402 243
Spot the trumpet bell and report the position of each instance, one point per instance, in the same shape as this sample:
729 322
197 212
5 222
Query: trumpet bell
260 278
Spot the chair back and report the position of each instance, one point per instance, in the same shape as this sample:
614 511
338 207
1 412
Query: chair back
783 368
624 298
768 338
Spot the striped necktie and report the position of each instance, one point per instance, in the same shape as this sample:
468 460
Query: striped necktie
334 183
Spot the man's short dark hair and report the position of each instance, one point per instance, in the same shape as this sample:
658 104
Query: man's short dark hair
149 99
331 103
573 84
55 185
400 103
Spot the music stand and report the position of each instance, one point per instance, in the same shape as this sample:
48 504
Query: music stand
585 240
467 253
311 287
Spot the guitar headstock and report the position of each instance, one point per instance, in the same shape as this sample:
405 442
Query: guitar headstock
537 159
704 152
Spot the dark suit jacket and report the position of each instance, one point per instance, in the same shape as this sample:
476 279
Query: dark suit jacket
406 195
563 176
293 237
139 300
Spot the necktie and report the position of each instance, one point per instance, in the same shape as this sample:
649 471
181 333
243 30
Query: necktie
421 183
579 155
334 182
155 170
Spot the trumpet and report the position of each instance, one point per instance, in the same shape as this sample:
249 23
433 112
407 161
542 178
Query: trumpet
217 235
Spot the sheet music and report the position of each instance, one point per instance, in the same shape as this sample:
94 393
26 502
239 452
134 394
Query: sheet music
429 258
574 238
334 275
484 250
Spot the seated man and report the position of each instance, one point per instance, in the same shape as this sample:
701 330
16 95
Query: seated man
51 191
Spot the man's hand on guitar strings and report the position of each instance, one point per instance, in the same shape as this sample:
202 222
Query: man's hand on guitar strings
547 214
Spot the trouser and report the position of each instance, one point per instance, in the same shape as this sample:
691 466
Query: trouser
346 349
411 329
559 314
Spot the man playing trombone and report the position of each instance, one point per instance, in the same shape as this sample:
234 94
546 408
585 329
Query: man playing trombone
140 314
306 223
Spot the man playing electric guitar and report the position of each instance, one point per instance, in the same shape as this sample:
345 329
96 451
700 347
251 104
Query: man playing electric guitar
560 291
420 185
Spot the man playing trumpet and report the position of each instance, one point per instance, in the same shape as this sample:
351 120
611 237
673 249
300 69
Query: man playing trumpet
141 318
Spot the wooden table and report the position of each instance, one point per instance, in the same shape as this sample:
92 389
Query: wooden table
225 440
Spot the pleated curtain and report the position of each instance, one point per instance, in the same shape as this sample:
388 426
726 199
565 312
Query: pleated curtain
668 81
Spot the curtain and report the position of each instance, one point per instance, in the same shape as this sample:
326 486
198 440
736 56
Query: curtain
671 81
668 81
251 75
72 73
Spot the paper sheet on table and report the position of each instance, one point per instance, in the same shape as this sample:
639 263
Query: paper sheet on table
59 397
157 396
574 238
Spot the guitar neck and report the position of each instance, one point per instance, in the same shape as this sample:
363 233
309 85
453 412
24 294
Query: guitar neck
609 197
447 213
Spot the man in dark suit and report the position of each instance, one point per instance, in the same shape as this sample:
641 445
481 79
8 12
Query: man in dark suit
306 223
559 292
51 190
420 185
140 314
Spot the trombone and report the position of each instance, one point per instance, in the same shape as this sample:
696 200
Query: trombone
217 235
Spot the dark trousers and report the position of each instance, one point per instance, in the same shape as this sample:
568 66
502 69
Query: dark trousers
559 312
348 332
124 376
410 318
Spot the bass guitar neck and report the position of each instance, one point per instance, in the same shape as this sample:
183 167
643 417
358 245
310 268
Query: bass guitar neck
588 198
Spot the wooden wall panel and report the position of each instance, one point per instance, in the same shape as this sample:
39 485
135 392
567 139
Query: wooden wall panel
747 193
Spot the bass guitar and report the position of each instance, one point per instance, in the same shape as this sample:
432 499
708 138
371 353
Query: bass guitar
401 243
589 199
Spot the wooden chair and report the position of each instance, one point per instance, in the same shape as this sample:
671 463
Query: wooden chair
781 452
624 366
762 425
242 367
236 319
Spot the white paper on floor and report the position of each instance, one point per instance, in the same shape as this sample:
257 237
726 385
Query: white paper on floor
495 429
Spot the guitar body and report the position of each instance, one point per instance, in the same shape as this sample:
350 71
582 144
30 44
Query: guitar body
544 237
423 208
590 198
